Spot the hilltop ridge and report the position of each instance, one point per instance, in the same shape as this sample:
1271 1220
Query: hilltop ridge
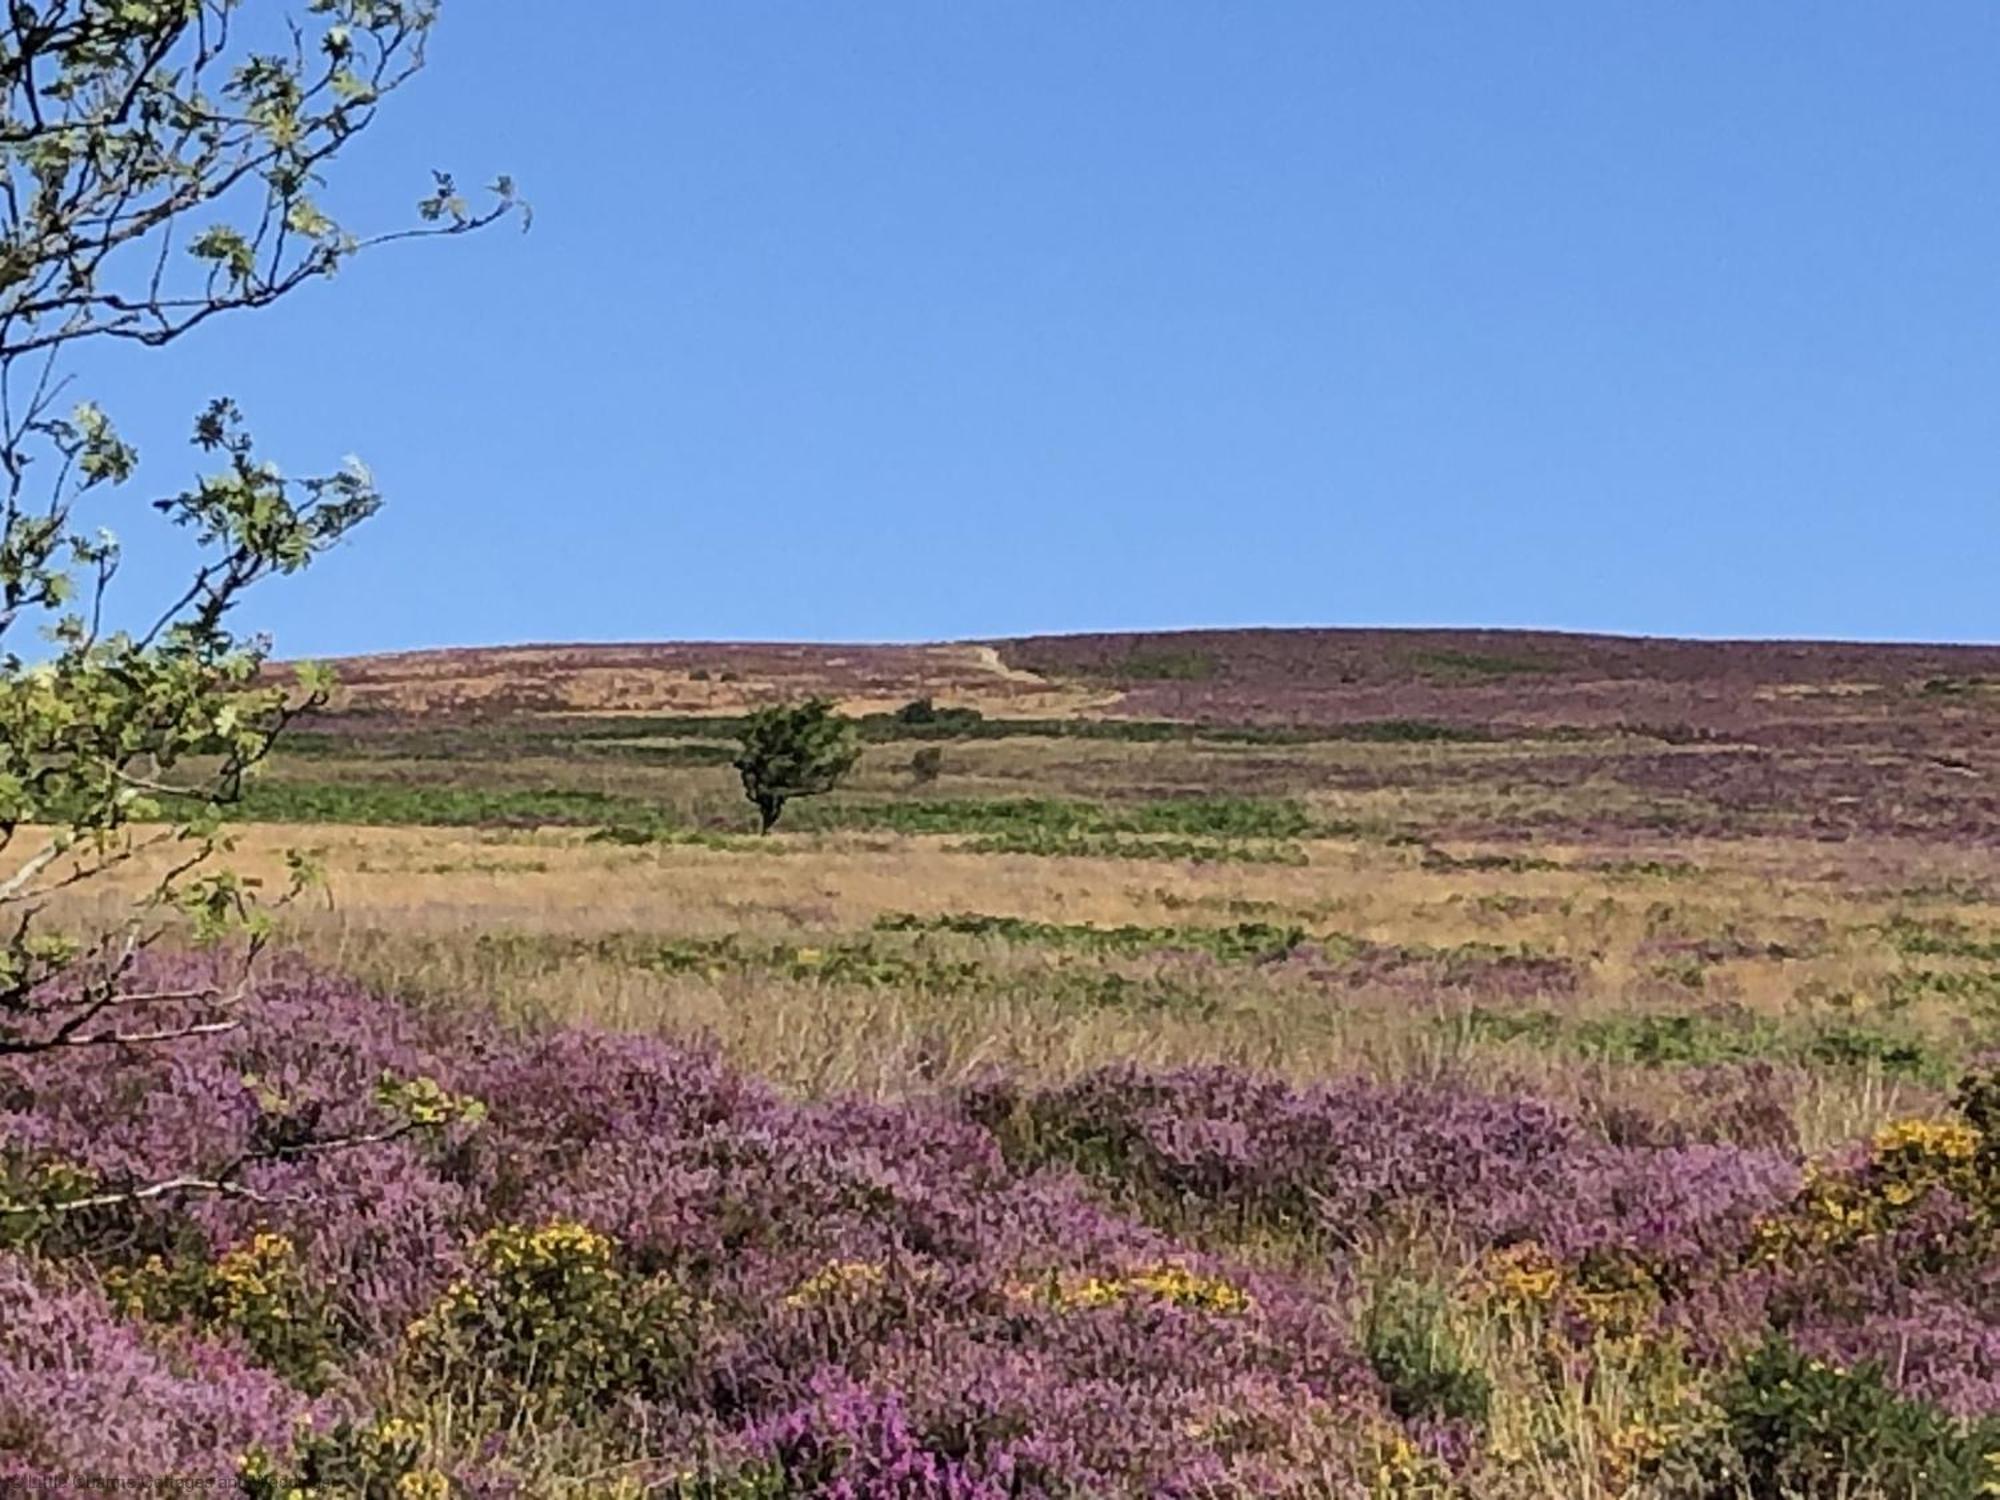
1303 676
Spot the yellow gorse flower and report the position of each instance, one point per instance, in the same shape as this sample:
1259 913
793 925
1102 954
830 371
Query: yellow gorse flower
256 1464
1939 1141
1907 1161
837 1278
1402 1471
423 1484
397 1431
1180 1286
552 1312
1170 1283
1991 1485
512 1248
254 1272
1524 1275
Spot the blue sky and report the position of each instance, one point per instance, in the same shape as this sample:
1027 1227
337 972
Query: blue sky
894 321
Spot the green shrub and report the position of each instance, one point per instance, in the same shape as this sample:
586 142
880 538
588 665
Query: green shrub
1953 687
923 713
1977 1099
673 753
1799 1427
1978 989
351 1460
1409 1341
753 1482
34 1187
1944 937
1859 1047
1656 1041
1644 869
639 835
258 1291
626 833
548 1315
1481 1024
1513 864
860 962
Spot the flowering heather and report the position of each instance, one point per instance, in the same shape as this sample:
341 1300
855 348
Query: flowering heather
1332 1158
639 1256
853 1295
1723 739
84 1392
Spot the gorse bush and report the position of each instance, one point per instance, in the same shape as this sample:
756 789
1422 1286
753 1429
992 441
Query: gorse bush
369 1460
547 1315
258 1291
1800 1426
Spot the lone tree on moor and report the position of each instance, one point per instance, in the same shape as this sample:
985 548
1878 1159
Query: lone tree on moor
161 164
794 750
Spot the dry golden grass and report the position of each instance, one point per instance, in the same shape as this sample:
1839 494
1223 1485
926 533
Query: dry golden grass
542 925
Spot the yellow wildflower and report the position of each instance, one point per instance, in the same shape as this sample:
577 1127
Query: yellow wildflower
423 1484
1951 1141
837 1278
1169 1283
1524 1275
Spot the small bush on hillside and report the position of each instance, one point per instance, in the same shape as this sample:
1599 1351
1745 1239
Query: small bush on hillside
548 1314
1409 1341
1800 1426
364 1460
927 765
794 750
924 714
258 1291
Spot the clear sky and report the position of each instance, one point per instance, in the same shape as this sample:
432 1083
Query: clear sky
892 321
